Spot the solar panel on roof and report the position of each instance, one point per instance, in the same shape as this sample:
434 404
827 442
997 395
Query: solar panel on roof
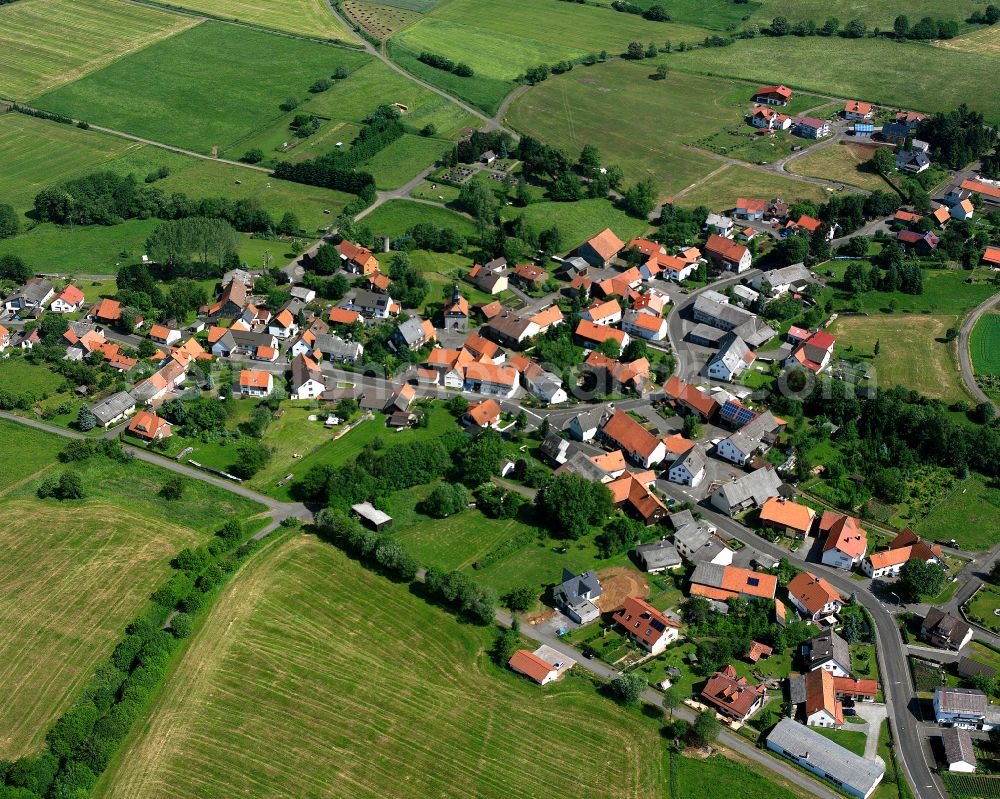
754 581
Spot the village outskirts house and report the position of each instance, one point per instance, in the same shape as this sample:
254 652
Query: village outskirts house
727 254
846 541
625 433
149 427
945 630
787 517
966 708
114 408
822 708
602 249
815 598
959 753
773 95
544 665
69 300
689 469
733 358
811 128
733 697
253 383
576 594
750 490
35 293
356 259
648 627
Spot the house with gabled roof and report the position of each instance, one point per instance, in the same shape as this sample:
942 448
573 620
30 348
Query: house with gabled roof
748 491
788 517
830 652
149 427
113 408
698 542
592 336
412 334
765 118
921 243
253 383
733 358
727 254
283 325
614 377
966 708
648 627
307 378
69 300
959 753
231 302
689 399
491 277
773 95
544 665
356 259
814 353
625 433
846 540
646 326
603 313
602 249
822 708
164 335
945 630
755 436
576 594
855 109
814 597
529 276
731 696
482 414
720 583
689 468
905 546
631 493
511 329
34 294
811 127
488 378
658 556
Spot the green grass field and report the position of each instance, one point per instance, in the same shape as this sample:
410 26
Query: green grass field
25 449
961 515
74 573
737 780
874 14
844 67
20 375
578 221
48 153
308 17
982 40
400 161
500 39
397 216
984 344
294 664
46 43
202 88
851 740
844 163
721 191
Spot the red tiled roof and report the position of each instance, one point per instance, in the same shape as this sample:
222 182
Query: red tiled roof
843 533
606 244
857 107
149 426
636 617
781 91
529 664
250 378
339 316
598 333
733 696
630 435
786 513
71 294
982 188
854 687
992 255
812 591
108 309
820 695
810 224
758 651
484 413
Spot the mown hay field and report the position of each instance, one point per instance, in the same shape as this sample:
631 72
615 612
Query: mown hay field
308 17
984 344
316 678
843 163
46 43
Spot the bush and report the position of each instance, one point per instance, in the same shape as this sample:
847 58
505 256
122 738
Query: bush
627 688
520 600
252 156
445 500
173 489
181 625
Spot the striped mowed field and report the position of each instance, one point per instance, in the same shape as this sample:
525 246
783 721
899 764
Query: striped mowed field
984 344
46 43
314 677
308 17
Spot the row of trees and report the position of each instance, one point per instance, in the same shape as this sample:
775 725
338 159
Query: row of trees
441 62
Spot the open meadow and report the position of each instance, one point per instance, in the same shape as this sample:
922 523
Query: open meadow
983 41
46 43
395 217
578 221
845 68
500 39
293 682
202 88
307 17
842 162
721 190
964 514
73 573
984 345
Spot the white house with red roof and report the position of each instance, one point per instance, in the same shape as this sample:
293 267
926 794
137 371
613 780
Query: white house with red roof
727 254
603 313
855 109
69 300
283 325
773 95
543 665
162 334
750 209
255 384
765 118
846 540
648 627
814 353
814 597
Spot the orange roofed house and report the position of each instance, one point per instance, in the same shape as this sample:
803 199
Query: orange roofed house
822 708
773 95
543 665
482 414
731 696
905 546
601 249
631 493
814 597
789 517
855 109
713 581
625 433
356 259
846 540
648 627
149 427
255 384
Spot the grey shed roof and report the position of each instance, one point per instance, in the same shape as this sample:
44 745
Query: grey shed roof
960 700
796 273
368 511
580 463
411 330
589 420
574 585
826 646
658 555
708 574
758 485
823 754
797 689
681 519
113 406
958 746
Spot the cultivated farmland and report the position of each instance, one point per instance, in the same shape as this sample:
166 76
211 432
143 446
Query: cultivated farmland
291 685
842 162
73 573
984 345
985 41
308 17
843 67
204 87
45 43
377 19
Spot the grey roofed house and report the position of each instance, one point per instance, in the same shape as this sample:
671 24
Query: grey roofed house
720 314
367 302
796 276
245 341
558 449
580 463
338 349
693 460
586 423
733 351
750 489
575 595
571 267
410 333
944 629
755 331
681 519
32 294
508 327
301 373
912 161
722 224
960 701
825 758
706 335
241 275
967 667
958 746
826 647
749 437
658 555
114 407
372 515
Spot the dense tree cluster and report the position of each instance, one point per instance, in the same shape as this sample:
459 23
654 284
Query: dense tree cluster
444 63
570 504
957 138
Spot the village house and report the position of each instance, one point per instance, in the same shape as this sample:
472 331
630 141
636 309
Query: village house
584 426
548 318
756 436
648 627
114 408
625 433
488 378
750 490
732 360
733 697
529 277
631 493
959 753
689 468
307 378
750 209
902 127
412 334
491 278
602 249
830 652
830 761
941 215
855 109
727 582
69 300
482 414
689 399
697 541
603 313
667 267
255 384
815 598
765 118
543 385
4 338
149 427
920 243
846 541
341 316
658 556
855 689
773 95
356 259
795 278
787 517
644 325
822 708
615 377
719 225
913 161
902 548
379 283
338 350
811 128
591 336
966 708
945 630
370 304
576 594
34 294
283 325
962 210
230 304
814 353
544 665
164 335
236 342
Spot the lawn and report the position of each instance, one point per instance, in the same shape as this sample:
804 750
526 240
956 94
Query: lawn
843 67
48 153
842 162
984 345
400 161
308 17
912 352
749 144
395 217
294 664
500 39
982 606
571 110
716 776
849 739
20 375
74 573
26 451
578 221
721 191
961 515
46 43
213 66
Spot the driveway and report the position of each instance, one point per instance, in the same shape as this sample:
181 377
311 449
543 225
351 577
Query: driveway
875 714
